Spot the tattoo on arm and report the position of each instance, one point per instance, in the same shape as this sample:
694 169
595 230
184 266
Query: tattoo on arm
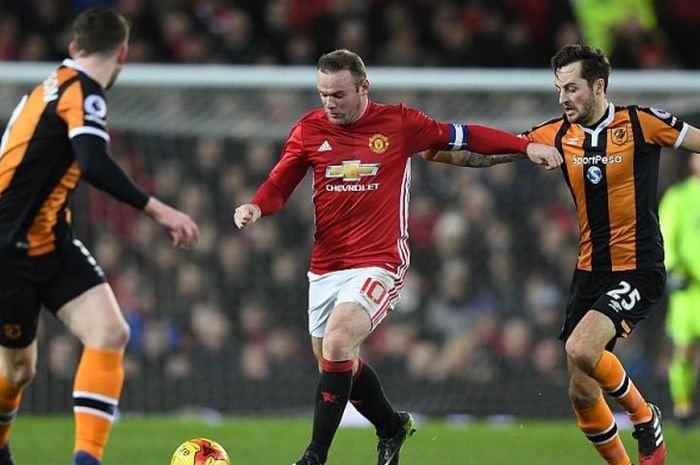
475 160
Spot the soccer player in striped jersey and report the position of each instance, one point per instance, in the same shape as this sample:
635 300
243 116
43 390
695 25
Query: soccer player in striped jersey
55 136
359 153
611 163
679 213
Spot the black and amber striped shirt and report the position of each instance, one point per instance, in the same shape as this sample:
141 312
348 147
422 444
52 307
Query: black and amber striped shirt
612 172
59 123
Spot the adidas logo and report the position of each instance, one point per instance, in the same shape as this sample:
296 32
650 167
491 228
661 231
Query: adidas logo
325 147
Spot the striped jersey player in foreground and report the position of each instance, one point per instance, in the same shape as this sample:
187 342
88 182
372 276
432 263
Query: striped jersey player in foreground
611 165
56 136
360 155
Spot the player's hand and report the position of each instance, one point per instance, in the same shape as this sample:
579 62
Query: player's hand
429 154
183 230
545 155
246 214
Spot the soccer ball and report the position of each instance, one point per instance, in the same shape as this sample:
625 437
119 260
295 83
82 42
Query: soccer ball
200 451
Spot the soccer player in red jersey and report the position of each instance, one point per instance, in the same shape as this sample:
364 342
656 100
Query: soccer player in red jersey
360 154
611 164
56 136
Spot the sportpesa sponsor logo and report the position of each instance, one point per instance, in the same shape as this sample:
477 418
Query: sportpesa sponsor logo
597 159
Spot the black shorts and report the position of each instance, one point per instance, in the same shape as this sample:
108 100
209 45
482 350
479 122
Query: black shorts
626 297
50 280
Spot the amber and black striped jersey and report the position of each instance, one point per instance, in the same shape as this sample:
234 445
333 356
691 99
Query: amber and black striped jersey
54 134
612 172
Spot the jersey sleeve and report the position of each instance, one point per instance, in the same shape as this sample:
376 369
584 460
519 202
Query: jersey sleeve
661 127
100 170
285 176
84 109
543 133
423 132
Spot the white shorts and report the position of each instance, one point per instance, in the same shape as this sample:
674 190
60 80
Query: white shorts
374 289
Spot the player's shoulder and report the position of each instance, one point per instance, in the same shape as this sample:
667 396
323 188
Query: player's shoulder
389 107
659 113
657 119
552 124
313 117
399 111
70 72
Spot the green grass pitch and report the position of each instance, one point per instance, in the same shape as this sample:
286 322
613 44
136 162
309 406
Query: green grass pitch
147 440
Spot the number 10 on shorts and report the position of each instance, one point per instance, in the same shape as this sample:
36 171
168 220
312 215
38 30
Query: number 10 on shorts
374 290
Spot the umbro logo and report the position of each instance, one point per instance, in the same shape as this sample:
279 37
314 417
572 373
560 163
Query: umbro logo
325 147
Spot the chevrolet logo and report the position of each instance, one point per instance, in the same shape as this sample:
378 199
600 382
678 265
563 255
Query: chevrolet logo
352 170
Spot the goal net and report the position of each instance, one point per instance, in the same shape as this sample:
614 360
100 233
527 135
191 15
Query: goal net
223 326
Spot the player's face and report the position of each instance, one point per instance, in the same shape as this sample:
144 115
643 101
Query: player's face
343 100
579 100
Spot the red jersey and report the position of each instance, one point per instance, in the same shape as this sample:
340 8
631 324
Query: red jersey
361 179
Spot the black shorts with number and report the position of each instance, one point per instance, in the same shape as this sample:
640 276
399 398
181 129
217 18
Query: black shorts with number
626 297
50 281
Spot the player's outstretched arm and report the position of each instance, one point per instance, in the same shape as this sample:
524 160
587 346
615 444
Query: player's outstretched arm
540 154
545 155
468 159
691 142
246 214
183 230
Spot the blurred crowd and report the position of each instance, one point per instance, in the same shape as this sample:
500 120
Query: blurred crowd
493 249
455 33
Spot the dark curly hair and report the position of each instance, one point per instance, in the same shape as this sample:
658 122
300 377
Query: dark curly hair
594 64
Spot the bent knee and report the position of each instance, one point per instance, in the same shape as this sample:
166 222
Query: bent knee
119 337
582 356
114 337
337 346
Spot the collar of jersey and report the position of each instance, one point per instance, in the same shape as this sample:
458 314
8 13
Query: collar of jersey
594 132
72 64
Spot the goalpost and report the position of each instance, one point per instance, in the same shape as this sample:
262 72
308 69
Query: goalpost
223 325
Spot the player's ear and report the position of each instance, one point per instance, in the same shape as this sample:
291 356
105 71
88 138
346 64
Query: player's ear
73 49
364 87
121 55
599 86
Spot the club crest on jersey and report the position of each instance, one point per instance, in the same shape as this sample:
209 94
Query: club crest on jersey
619 136
378 143
352 170
594 174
